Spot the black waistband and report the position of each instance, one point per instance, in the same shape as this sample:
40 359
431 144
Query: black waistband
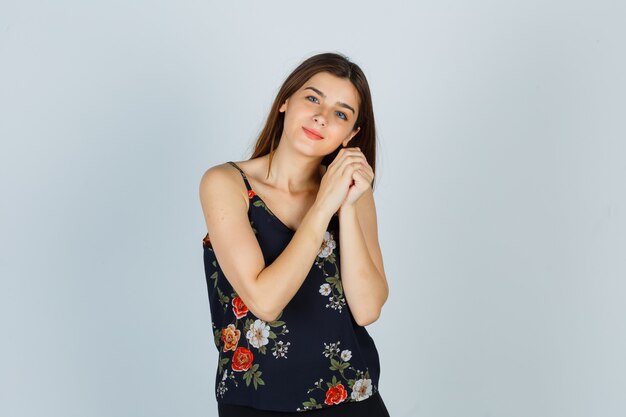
373 406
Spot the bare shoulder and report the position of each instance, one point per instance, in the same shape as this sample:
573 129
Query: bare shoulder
220 172
222 180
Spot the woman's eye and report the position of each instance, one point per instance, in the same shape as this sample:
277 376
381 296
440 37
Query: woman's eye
341 114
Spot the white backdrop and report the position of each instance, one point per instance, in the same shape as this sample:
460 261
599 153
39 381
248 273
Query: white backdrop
500 192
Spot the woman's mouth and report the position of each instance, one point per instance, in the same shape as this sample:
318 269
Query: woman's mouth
311 134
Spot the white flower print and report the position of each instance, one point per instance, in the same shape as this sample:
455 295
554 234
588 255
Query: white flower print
332 288
281 349
327 246
341 381
362 389
332 349
221 389
336 302
258 333
325 289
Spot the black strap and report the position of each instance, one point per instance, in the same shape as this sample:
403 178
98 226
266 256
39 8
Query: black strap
245 179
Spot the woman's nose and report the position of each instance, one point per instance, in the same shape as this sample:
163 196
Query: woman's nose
320 120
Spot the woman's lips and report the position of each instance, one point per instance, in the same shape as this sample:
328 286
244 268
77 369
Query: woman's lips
311 135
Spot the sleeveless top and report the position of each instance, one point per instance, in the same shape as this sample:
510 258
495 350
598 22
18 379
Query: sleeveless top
313 355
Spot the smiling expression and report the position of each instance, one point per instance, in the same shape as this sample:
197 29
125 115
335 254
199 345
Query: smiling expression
322 113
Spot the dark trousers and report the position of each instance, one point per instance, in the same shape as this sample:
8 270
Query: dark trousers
370 407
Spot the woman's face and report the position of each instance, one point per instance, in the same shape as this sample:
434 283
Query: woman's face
326 104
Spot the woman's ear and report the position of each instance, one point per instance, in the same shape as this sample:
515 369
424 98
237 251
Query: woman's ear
355 131
283 107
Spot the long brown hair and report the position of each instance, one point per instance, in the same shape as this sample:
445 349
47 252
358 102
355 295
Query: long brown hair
340 66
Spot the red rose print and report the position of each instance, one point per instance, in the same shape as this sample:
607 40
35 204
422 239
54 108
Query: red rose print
251 193
335 395
239 308
242 359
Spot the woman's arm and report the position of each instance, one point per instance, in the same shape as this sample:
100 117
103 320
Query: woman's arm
362 272
264 290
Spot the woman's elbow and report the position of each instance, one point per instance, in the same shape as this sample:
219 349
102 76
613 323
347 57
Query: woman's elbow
366 320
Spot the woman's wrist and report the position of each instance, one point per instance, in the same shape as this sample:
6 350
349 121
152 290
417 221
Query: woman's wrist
347 210
322 212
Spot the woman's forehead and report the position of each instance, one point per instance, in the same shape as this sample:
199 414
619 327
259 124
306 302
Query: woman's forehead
332 88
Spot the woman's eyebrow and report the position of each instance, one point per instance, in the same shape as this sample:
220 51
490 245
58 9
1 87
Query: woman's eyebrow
324 95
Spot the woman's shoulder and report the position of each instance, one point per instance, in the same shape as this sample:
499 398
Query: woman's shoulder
227 170
223 178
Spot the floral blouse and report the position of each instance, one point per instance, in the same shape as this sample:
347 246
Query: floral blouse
313 355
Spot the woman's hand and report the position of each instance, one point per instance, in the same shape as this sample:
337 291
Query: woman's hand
362 178
345 180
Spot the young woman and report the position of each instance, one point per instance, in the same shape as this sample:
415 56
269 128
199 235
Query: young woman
293 266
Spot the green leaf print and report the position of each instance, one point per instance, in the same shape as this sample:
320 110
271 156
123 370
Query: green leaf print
253 376
217 335
333 288
222 362
336 366
259 203
359 383
223 299
311 403
214 277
